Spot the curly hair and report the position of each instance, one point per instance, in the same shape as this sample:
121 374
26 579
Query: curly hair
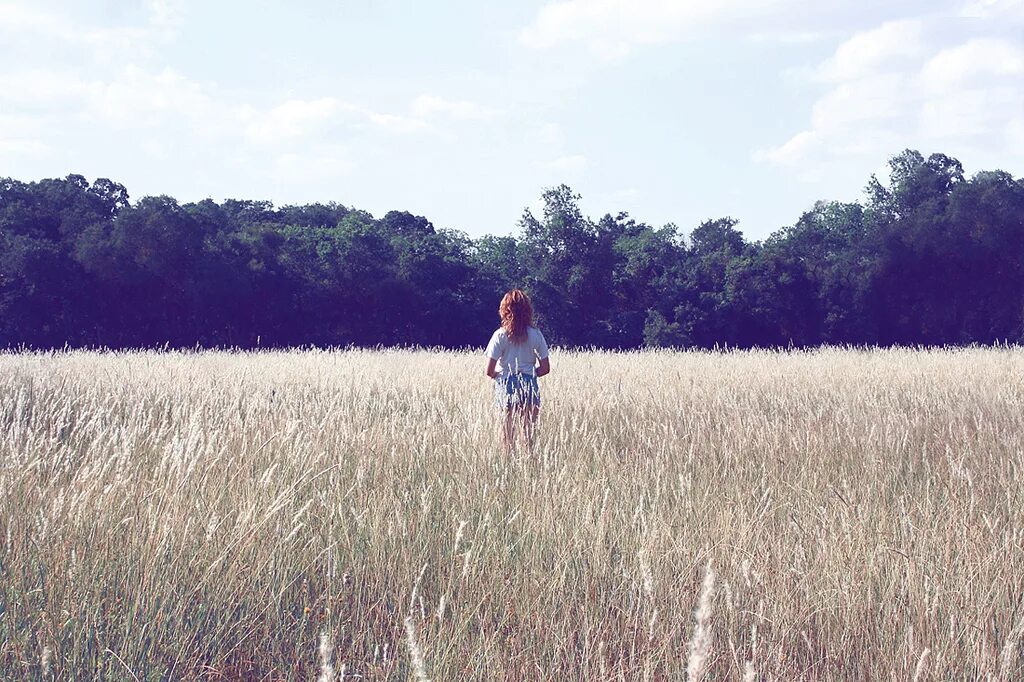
516 315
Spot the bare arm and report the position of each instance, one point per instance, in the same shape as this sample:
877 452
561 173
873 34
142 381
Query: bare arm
544 368
491 371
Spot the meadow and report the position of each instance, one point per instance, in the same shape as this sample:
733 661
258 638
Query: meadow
823 515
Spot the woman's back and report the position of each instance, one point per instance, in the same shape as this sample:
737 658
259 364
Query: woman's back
517 357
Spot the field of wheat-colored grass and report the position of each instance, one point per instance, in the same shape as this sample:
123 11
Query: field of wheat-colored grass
829 515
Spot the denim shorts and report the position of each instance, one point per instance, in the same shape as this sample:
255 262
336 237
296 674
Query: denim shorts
516 390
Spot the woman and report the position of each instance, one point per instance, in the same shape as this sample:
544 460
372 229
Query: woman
516 355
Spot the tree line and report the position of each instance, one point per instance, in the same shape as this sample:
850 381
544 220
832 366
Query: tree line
929 257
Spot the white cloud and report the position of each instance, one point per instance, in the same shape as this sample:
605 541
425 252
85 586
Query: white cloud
898 86
627 194
294 118
75 28
297 118
138 97
1015 131
101 67
976 59
22 147
21 136
298 168
300 118
393 123
551 135
131 96
971 114
865 53
881 97
786 37
166 14
571 164
135 97
612 27
17 17
993 8
792 151
426 106
41 89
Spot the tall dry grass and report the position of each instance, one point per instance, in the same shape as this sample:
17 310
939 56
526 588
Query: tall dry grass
309 515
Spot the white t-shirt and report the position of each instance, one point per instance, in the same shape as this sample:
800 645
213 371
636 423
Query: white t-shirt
517 357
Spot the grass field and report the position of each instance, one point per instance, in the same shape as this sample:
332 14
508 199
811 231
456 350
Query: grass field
839 515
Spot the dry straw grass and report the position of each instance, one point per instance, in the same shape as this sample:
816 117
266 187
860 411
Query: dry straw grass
348 515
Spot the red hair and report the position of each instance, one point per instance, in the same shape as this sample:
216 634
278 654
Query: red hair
516 315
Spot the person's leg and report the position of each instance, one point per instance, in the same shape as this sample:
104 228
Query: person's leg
503 401
530 409
529 416
508 430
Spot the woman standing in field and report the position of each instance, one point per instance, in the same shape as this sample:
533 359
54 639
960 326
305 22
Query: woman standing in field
516 356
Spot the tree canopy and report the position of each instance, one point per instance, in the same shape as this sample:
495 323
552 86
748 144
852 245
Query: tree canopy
930 257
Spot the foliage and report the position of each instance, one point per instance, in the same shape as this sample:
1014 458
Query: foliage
931 257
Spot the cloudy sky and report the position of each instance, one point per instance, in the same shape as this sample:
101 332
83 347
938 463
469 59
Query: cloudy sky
463 110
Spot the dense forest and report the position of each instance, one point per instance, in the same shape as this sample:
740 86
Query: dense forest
929 257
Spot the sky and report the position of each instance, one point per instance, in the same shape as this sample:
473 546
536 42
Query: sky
465 110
